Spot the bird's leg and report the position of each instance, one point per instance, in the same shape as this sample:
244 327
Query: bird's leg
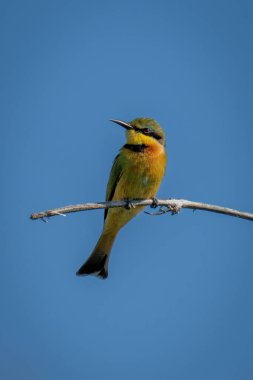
155 202
129 204
154 205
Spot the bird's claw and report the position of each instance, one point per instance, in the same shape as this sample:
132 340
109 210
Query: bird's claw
155 203
129 205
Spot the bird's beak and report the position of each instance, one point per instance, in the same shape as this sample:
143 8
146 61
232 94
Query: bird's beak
122 123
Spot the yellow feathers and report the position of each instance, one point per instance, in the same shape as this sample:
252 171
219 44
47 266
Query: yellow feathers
136 174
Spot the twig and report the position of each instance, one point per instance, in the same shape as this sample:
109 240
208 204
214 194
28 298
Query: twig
172 205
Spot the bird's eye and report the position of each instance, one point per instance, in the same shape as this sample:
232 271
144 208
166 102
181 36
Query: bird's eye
146 131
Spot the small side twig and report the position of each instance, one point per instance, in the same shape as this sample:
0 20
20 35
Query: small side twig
172 205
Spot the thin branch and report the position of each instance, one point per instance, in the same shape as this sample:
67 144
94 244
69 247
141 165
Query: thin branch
171 205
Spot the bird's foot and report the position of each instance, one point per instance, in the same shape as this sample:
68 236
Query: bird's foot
155 202
129 205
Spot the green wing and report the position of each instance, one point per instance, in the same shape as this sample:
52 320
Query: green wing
116 173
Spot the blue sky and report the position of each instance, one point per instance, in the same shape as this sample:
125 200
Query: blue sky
178 301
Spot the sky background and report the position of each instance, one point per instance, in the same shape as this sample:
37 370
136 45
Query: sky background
178 301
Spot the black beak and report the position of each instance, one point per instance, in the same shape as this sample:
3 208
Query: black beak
122 123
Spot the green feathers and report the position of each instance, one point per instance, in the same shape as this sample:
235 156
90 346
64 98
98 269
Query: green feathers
149 127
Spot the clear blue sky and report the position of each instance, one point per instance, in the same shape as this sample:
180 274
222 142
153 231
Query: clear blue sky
178 302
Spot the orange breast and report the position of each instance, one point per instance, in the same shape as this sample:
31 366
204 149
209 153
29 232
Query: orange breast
140 179
143 173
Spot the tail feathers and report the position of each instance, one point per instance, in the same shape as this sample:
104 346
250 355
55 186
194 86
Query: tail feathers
97 263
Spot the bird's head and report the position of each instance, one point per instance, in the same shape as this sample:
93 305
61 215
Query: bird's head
143 130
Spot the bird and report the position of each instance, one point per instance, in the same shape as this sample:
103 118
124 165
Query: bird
136 173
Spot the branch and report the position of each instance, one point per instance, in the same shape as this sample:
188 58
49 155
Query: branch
168 205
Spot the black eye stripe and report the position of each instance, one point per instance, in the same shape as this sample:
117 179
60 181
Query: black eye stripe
147 132
155 135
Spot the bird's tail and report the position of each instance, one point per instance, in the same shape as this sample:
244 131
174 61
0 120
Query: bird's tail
97 263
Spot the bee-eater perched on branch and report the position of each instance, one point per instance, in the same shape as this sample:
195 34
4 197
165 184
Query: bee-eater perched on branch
136 173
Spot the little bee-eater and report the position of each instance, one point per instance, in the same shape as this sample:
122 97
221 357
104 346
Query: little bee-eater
136 173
